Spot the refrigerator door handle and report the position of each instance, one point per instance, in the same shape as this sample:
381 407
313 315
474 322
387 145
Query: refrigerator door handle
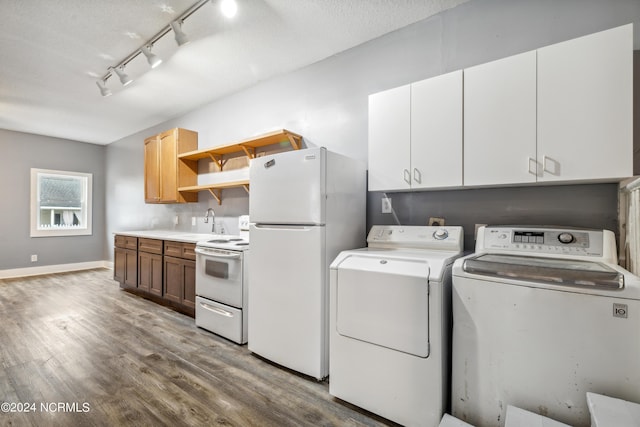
287 227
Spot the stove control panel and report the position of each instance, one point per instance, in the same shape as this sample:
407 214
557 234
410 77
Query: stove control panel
542 240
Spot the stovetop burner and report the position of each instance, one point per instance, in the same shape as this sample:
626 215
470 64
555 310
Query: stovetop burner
229 243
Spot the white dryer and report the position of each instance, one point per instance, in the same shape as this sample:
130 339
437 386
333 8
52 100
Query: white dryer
390 322
541 317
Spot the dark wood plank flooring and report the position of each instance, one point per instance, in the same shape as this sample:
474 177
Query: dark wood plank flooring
112 358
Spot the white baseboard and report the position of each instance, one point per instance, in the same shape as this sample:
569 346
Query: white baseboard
49 269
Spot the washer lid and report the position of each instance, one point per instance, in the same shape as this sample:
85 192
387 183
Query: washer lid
565 272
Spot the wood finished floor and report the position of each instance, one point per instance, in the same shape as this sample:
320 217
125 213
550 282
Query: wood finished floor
77 339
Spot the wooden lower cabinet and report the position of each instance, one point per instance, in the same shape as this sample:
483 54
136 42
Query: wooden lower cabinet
143 267
125 269
125 261
180 281
150 273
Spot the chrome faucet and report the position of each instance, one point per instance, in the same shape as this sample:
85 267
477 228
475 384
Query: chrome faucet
213 219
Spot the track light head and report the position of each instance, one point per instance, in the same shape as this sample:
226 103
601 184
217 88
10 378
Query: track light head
229 8
104 90
124 79
152 59
181 37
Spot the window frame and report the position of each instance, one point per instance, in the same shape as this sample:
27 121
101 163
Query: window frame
87 204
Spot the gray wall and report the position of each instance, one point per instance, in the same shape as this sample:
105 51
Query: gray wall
327 103
21 152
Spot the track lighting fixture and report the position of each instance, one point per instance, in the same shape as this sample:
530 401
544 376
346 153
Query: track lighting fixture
104 90
124 79
152 59
228 8
181 37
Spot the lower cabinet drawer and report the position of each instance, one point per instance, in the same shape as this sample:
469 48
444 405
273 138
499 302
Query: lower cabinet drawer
220 319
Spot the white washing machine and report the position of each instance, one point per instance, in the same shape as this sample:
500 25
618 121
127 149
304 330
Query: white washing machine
541 317
390 322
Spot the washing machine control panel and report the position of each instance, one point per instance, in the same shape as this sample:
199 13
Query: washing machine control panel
544 240
419 237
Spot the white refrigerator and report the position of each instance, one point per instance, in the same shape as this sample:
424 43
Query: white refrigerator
306 206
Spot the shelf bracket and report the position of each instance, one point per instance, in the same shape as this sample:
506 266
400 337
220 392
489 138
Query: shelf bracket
216 195
220 162
294 141
246 188
249 151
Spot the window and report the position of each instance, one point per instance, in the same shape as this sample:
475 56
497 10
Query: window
60 203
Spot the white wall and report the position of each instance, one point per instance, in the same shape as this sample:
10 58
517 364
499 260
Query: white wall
327 101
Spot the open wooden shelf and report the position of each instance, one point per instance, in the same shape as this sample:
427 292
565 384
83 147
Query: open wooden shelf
247 146
216 189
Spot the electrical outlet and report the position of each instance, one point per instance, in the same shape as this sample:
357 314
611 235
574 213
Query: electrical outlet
193 220
176 220
34 258
436 221
386 205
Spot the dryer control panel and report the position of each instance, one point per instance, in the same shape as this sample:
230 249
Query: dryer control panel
543 240
449 238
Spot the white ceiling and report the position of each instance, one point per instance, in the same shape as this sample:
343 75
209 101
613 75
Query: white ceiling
52 52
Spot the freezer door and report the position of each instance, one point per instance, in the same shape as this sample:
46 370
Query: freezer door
288 188
288 298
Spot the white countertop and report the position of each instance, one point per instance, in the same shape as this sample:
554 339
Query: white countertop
176 236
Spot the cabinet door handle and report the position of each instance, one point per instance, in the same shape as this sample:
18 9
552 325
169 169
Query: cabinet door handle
407 176
417 176
535 169
554 163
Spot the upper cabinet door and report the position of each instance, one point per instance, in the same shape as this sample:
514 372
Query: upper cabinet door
436 131
169 166
585 101
390 139
500 121
152 169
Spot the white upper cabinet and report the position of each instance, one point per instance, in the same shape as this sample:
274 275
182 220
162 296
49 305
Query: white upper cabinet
436 132
563 113
585 97
500 121
415 135
390 139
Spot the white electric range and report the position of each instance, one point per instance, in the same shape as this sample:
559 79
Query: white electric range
221 286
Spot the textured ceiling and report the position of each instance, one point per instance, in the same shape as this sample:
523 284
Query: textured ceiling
52 52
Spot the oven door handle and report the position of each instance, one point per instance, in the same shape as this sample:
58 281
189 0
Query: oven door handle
218 254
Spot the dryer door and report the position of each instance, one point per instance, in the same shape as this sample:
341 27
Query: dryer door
384 301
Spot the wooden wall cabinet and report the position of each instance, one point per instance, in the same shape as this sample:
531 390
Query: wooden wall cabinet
125 261
164 173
